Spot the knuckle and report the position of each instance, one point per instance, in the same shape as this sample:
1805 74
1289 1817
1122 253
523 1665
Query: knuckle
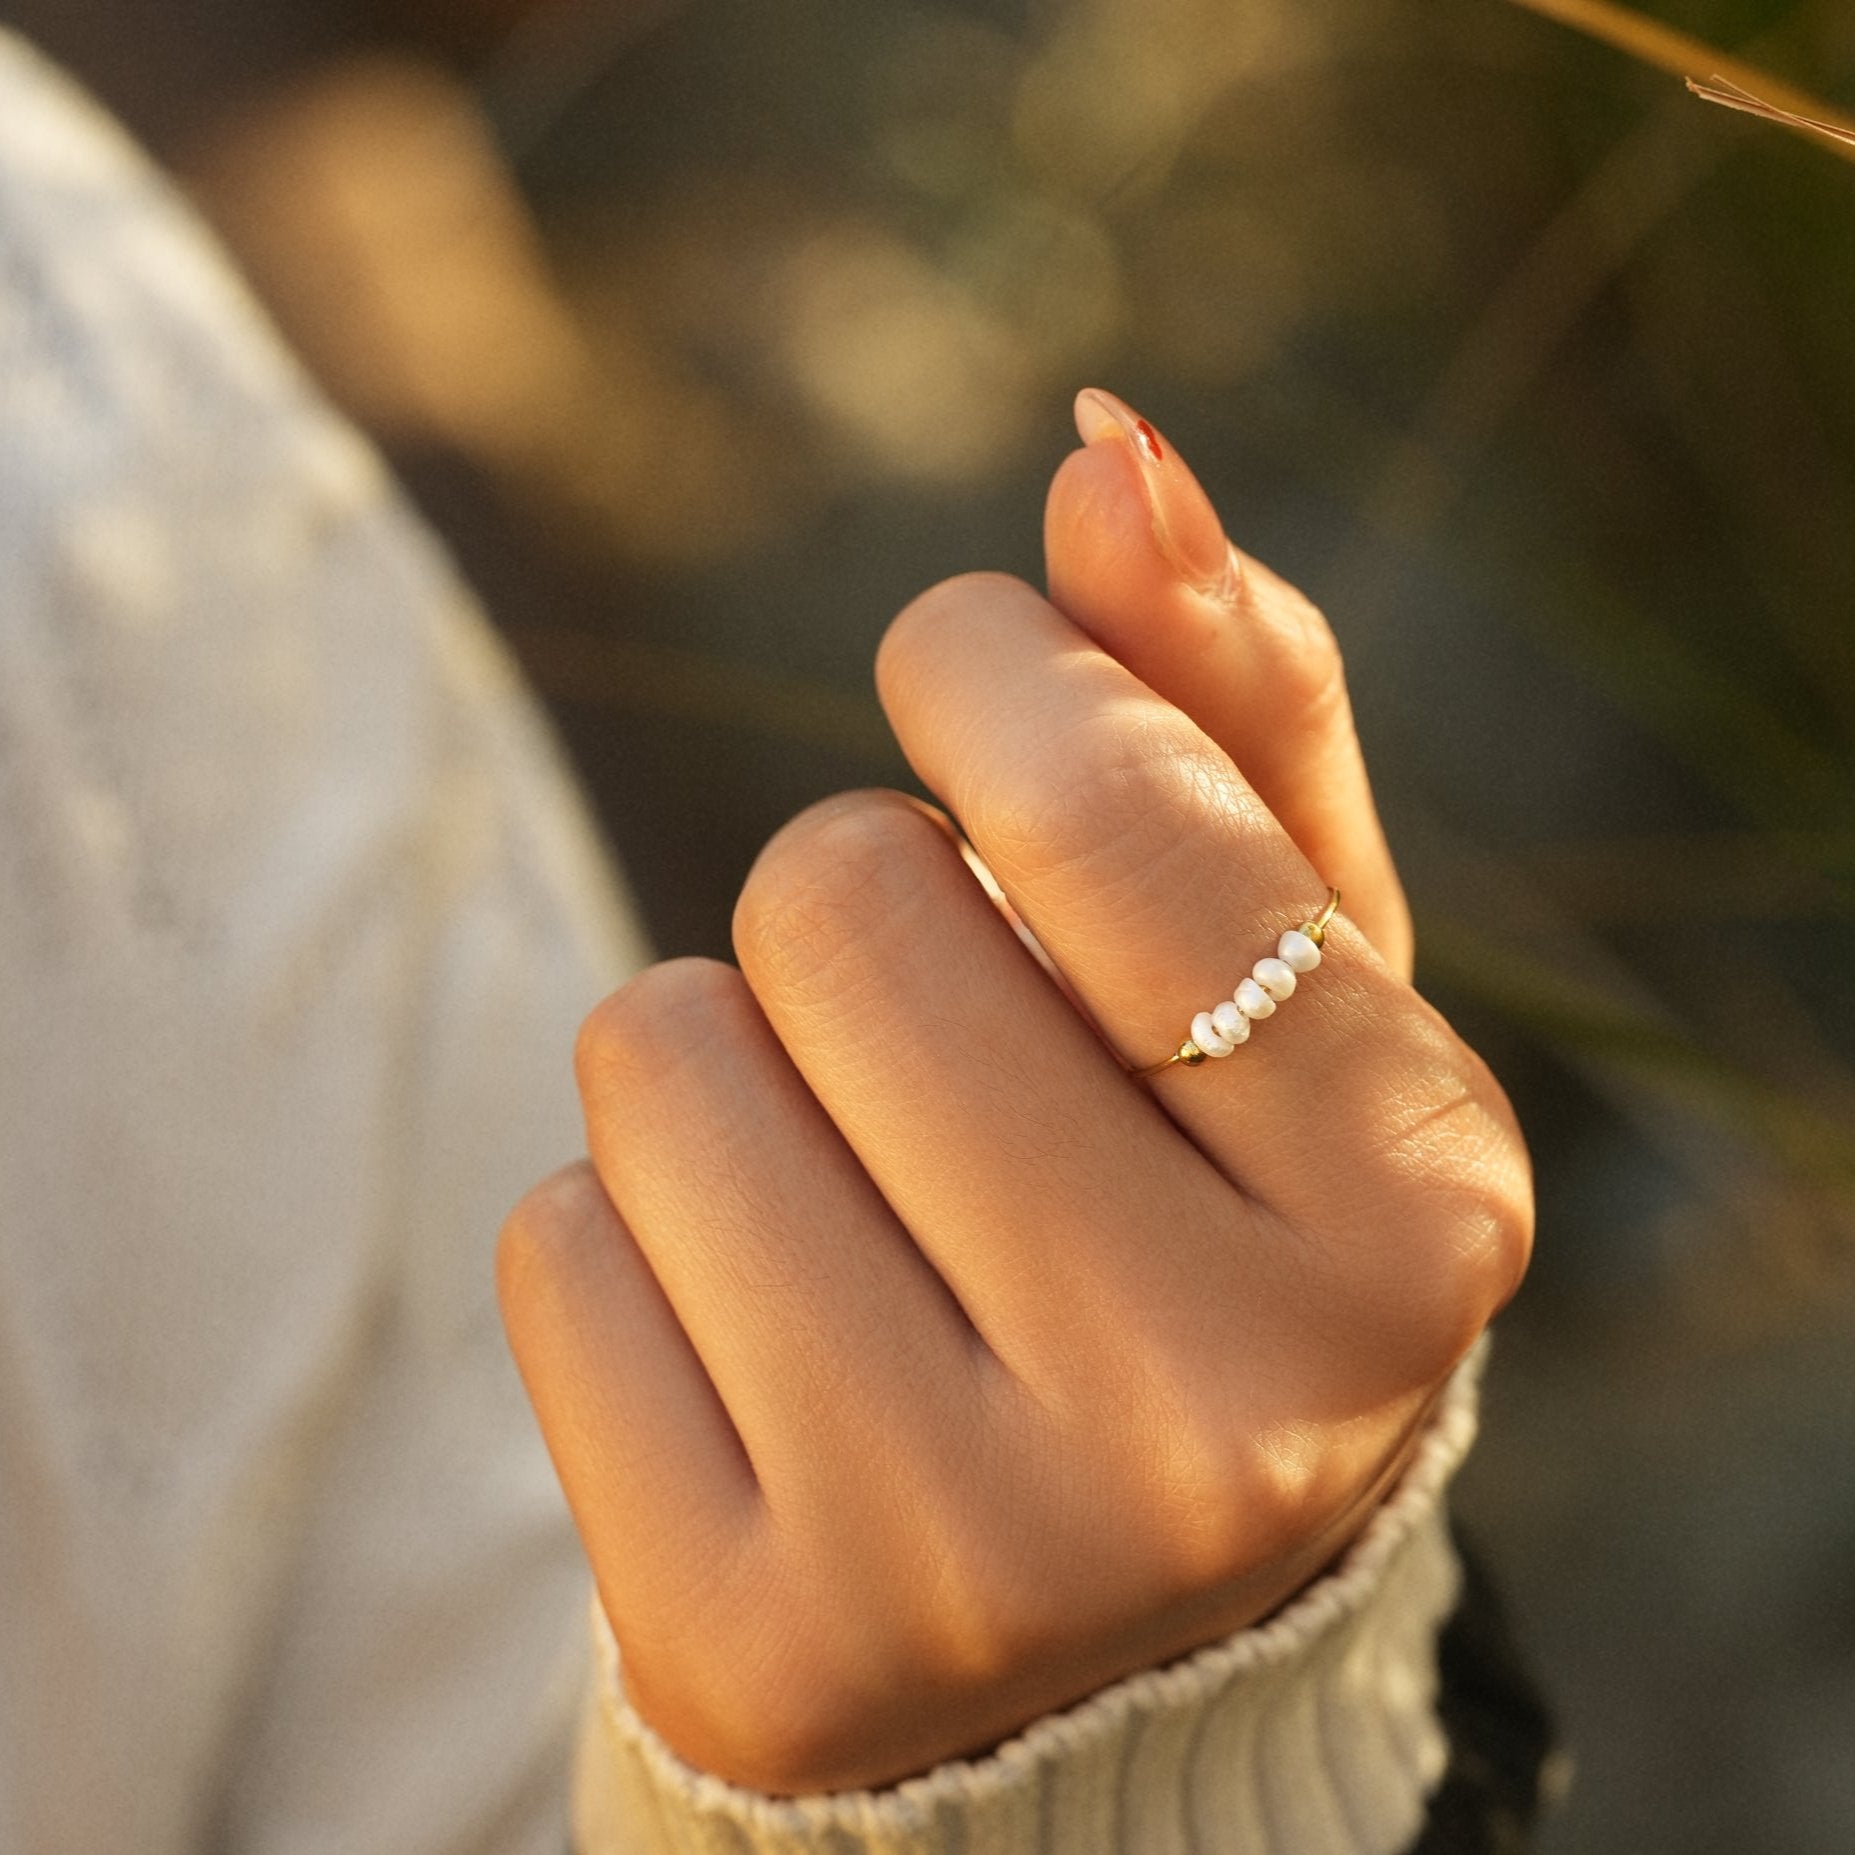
654 1021
1471 1205
1316 673
1494 1240
1307 670
1123 787
923 631
825 885
1303 1476
550 1221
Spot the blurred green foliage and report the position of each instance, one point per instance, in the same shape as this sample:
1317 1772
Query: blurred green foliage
1536 371
1540 375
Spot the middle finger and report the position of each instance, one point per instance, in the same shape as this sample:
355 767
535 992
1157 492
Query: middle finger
1155 878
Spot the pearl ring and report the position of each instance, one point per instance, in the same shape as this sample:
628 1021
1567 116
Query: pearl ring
1217 1032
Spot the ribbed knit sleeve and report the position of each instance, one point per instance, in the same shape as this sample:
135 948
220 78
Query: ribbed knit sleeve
1312 1733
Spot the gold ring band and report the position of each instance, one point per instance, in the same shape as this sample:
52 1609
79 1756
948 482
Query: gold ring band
1217 1032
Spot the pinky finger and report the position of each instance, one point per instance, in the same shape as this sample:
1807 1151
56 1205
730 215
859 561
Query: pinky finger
651 1464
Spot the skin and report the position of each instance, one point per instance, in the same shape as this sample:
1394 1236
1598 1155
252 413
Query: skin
911 1371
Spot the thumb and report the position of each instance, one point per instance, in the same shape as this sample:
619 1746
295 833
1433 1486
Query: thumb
1136 556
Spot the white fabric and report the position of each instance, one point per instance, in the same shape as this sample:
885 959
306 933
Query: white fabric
298 915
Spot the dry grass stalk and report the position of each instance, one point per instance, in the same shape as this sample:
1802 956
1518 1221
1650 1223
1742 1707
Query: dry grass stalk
1681 54
1730 96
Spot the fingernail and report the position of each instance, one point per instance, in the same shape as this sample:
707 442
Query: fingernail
1185 526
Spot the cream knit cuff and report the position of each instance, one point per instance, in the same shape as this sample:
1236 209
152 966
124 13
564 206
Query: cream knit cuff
1312 1733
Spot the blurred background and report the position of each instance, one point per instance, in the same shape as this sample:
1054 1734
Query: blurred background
710 332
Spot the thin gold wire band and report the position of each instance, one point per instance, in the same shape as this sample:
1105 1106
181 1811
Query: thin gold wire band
1188 1052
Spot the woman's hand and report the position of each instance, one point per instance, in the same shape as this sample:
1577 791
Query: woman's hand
911 1370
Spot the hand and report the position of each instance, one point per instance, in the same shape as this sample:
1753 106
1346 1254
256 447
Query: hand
910 1369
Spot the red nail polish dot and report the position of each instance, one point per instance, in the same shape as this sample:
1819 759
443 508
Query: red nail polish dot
1149 441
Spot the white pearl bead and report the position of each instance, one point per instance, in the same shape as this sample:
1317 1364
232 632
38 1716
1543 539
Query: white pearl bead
1253 1001
1205 1036
1298 951
1276 977
1229 1022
